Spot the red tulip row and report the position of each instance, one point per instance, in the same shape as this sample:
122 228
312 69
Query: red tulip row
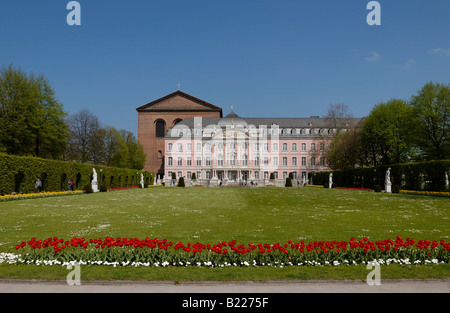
224 246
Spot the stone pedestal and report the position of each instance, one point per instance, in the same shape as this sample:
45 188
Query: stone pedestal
389 188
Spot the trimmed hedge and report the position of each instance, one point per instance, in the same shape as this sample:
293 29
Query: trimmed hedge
428 176
19 174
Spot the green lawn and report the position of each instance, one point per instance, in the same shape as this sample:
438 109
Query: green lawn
210 215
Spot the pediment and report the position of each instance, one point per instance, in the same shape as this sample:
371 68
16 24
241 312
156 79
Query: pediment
178 101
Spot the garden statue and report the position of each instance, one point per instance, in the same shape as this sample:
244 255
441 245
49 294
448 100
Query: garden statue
94 182
387 181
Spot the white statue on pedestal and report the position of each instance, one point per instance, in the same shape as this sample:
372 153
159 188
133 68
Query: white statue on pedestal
387 181
330 181
94 182
142 181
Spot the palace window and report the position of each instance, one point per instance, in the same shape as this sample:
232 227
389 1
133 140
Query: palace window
294 161
322 161
294 146
232 159
303 146
275 147
303 161
245 160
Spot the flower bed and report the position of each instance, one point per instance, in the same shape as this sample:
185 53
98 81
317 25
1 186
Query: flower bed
426 193
157 252
121 188
317 186
38 195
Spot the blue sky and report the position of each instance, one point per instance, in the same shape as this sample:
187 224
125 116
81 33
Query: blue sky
286 58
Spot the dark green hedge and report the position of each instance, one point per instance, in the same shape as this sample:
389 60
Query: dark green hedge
19 174
428 176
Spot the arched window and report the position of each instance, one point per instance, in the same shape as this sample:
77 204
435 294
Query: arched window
160 128
177 121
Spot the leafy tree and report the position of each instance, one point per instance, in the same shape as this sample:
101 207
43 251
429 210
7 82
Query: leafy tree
136 156
432 115
346 151
385 134
116 151
31 119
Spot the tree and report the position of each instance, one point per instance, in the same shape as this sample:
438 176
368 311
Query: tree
136 156
432 114
50 131
345 151
116 151
338 115
31 119
385 134
83 126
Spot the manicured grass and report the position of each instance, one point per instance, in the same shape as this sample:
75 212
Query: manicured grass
210 215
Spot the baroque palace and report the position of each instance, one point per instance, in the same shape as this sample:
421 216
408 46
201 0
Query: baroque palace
184 136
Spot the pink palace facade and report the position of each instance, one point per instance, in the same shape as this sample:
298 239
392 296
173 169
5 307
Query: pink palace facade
246 151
